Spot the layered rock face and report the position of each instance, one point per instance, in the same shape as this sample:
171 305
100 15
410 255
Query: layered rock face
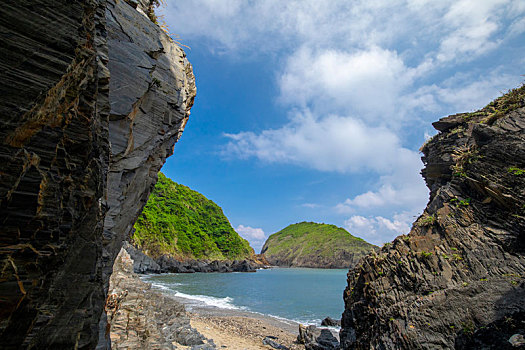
141 318
457 280
93 98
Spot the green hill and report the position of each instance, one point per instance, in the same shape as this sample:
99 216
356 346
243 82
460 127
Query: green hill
183 223
309 244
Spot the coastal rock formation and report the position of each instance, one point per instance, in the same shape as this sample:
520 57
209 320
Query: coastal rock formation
309 244
315 338
93 98
141 318
457 280
144 264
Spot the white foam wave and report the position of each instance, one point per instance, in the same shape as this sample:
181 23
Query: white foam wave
221 303
160 286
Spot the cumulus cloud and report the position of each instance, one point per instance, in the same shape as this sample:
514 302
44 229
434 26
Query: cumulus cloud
365 82
464 92
333 143
378 229
254 235
248 232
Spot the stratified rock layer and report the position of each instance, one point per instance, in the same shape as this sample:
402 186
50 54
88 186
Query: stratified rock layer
457 280
78 140
141 318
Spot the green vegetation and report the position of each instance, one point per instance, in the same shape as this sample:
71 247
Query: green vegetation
425 254
183 223
427 220
309 243
510 101
516 171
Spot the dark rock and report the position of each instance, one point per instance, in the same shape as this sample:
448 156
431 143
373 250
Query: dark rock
141 318
242 266
53 164
271 341
169 264
330 322
457 280
79 155
141 262
315 338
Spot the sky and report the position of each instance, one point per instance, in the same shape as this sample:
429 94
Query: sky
315 110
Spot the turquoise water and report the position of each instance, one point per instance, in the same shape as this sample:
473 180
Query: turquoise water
302 295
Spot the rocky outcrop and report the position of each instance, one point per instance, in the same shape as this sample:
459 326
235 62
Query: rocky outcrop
140 318
457 280
315 338
93 98
330 322
169 264
141 262
144 264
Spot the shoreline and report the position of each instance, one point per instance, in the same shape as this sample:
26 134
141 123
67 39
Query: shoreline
237 328
142 317
233 330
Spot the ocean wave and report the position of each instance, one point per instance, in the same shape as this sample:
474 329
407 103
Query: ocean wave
221 303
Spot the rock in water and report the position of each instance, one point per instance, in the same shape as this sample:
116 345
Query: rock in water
330 322
315 338
92 100
457 280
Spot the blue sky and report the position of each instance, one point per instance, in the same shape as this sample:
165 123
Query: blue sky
315 110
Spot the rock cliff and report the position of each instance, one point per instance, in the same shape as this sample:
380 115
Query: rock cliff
309 244
141 318
93 98
457 280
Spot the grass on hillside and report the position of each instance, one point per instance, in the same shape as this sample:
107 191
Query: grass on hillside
321 239
183 223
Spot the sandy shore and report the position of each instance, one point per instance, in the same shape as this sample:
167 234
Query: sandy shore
240 330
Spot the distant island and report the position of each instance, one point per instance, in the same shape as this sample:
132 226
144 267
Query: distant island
310 244
184 224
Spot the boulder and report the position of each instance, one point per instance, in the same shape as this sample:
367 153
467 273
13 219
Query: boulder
330 322
315 338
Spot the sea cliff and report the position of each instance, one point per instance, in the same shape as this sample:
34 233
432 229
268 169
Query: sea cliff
94 97
457 280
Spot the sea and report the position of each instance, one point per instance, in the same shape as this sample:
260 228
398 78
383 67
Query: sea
297 294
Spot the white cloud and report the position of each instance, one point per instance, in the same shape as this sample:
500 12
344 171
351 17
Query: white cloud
310 205
250 233
474 24
378 229
463 92
401 189
332 143
365 82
